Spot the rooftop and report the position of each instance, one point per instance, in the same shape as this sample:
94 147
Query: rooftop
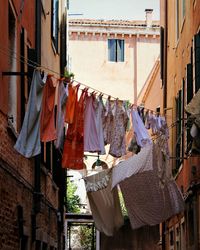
125 23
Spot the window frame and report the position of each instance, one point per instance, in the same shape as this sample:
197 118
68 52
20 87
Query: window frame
116 51
55 24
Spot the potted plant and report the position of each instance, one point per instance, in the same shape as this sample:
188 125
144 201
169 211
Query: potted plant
69 76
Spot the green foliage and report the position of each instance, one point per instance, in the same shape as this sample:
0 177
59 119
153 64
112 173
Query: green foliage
72 200
86 237
123 207
68 74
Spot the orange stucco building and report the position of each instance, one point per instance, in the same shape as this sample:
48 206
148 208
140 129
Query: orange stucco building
180 68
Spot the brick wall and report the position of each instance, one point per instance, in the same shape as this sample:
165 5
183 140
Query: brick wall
17 188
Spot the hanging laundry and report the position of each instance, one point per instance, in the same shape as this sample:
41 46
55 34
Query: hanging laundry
73 151
62 97
141 133
158 122
193 109
70 104
100 112
140 111
136 164
108 122
156 197
47 120
120 121
28 142
133 146
104 203
91 137
148 117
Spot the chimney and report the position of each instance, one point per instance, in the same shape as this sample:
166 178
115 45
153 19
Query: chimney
149 17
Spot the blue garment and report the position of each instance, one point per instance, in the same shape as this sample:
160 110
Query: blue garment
28 142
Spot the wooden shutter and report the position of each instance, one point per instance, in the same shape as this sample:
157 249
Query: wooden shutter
112 50
120 50
189 95
189 83
197 61
182 119
178 128
161 53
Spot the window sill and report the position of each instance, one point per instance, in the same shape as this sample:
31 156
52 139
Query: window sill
116 62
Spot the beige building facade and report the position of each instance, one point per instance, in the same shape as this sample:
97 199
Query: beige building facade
114 57
151 94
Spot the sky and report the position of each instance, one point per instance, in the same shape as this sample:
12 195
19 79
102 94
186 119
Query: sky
113 9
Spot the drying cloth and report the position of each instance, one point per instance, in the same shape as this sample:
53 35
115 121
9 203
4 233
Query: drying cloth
28 142
73 152
150 198
91 137
100 110
141 133
138 163
120 121
104 203
62 97
47 121
70 104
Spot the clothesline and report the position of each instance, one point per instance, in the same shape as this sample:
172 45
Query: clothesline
35 65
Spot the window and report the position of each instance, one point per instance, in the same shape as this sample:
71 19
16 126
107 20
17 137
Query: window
171 239
44 246
189 98
197 61
38 245
190 215
180 102
183 9
178 244
115 50
177 20
182 235
12 84
162 44
54 23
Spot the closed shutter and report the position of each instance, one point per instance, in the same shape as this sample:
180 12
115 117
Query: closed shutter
55 23
189 95
178 128
189 83
182 119
120 50
162 52
197 61
112 50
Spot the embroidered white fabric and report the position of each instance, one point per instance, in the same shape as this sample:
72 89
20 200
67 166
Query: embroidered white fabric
138 163
95 186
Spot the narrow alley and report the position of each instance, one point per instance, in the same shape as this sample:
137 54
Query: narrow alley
100 125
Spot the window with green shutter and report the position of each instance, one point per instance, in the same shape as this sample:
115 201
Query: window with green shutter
189 98
180 103
197 61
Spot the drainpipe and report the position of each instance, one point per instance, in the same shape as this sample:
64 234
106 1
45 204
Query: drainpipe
195 218
38 60
165 95
135 72
165 58
37 189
